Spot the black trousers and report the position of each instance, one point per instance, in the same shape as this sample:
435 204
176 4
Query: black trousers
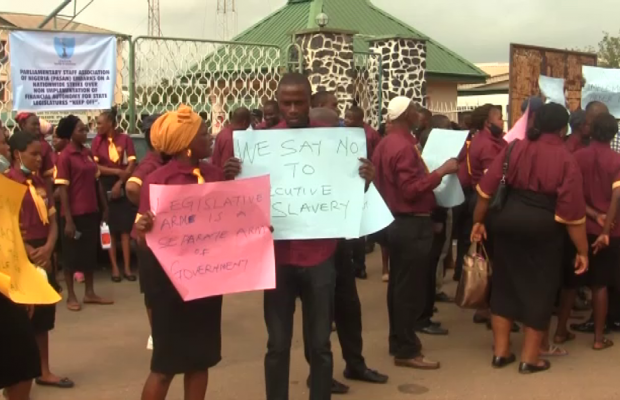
410 239
439 238
347 312
315 287
463 223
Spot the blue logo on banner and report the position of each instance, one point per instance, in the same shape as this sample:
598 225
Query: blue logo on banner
64 47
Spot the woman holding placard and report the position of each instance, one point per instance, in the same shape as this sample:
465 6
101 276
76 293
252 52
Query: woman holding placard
186 335
81 193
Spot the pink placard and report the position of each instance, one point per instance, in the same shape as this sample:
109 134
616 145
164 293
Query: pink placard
519 129
214 238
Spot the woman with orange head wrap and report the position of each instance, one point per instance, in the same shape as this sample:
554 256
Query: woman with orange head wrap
186 335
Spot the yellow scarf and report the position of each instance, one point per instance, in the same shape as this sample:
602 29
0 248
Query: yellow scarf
112 152
196 172
38 202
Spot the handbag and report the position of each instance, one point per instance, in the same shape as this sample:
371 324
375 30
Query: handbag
475 283
499 199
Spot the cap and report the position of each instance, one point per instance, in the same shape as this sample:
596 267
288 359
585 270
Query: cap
398 106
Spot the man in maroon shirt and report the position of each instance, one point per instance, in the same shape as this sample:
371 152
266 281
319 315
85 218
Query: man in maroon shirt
407 187
354 118
271 115
305 269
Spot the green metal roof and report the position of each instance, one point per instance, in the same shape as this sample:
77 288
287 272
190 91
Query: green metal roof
362 17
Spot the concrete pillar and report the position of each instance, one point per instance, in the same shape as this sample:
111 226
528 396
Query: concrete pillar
404 68
328 62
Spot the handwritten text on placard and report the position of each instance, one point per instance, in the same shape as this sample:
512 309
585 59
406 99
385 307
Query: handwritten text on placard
602 84
214 238
316 191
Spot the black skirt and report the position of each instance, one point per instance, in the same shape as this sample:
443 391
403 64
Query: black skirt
603 268
186 335
44 317
121 212
527 263
20 355
146 263
81 254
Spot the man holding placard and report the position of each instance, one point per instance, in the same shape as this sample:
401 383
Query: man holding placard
407 187
304 268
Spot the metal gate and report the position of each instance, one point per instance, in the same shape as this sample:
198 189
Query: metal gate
213 77
368 83
121 92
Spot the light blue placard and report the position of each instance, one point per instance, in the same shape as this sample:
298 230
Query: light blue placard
440 147
376 214
552 89
316 190
602 84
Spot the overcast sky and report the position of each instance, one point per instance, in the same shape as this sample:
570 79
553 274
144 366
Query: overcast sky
479 30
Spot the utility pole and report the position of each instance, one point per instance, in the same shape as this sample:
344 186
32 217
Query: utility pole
226 23
154 23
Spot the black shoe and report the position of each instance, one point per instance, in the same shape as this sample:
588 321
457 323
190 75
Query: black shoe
435 309
501 362
525 368
433 330
337 387
116 279
443 298
361 274
435 323
587 327
368 375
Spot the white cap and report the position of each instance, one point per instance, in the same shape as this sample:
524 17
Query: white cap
398 106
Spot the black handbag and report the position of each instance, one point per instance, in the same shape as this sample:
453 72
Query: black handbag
499 199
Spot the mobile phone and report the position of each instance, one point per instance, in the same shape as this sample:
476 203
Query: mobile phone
77 235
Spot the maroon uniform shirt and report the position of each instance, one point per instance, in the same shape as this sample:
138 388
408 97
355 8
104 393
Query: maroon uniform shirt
47 158
303 253
124 148
575 142
401 175
223 148
176 173
29 220
464 172
372 140
77 170
148 164
544 166
600 168
483 149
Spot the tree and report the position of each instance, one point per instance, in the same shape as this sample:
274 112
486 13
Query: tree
608 51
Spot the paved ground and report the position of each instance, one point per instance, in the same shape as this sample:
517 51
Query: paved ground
103 350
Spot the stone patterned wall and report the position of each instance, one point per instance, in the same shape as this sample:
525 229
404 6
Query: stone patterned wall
367 86
329 64
404 69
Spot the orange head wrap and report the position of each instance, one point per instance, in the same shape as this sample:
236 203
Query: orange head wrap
174 131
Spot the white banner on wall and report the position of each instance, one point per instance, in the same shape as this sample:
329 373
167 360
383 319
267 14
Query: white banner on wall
57 71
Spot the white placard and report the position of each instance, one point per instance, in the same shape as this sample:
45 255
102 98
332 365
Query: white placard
602 84
316 190
58 71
